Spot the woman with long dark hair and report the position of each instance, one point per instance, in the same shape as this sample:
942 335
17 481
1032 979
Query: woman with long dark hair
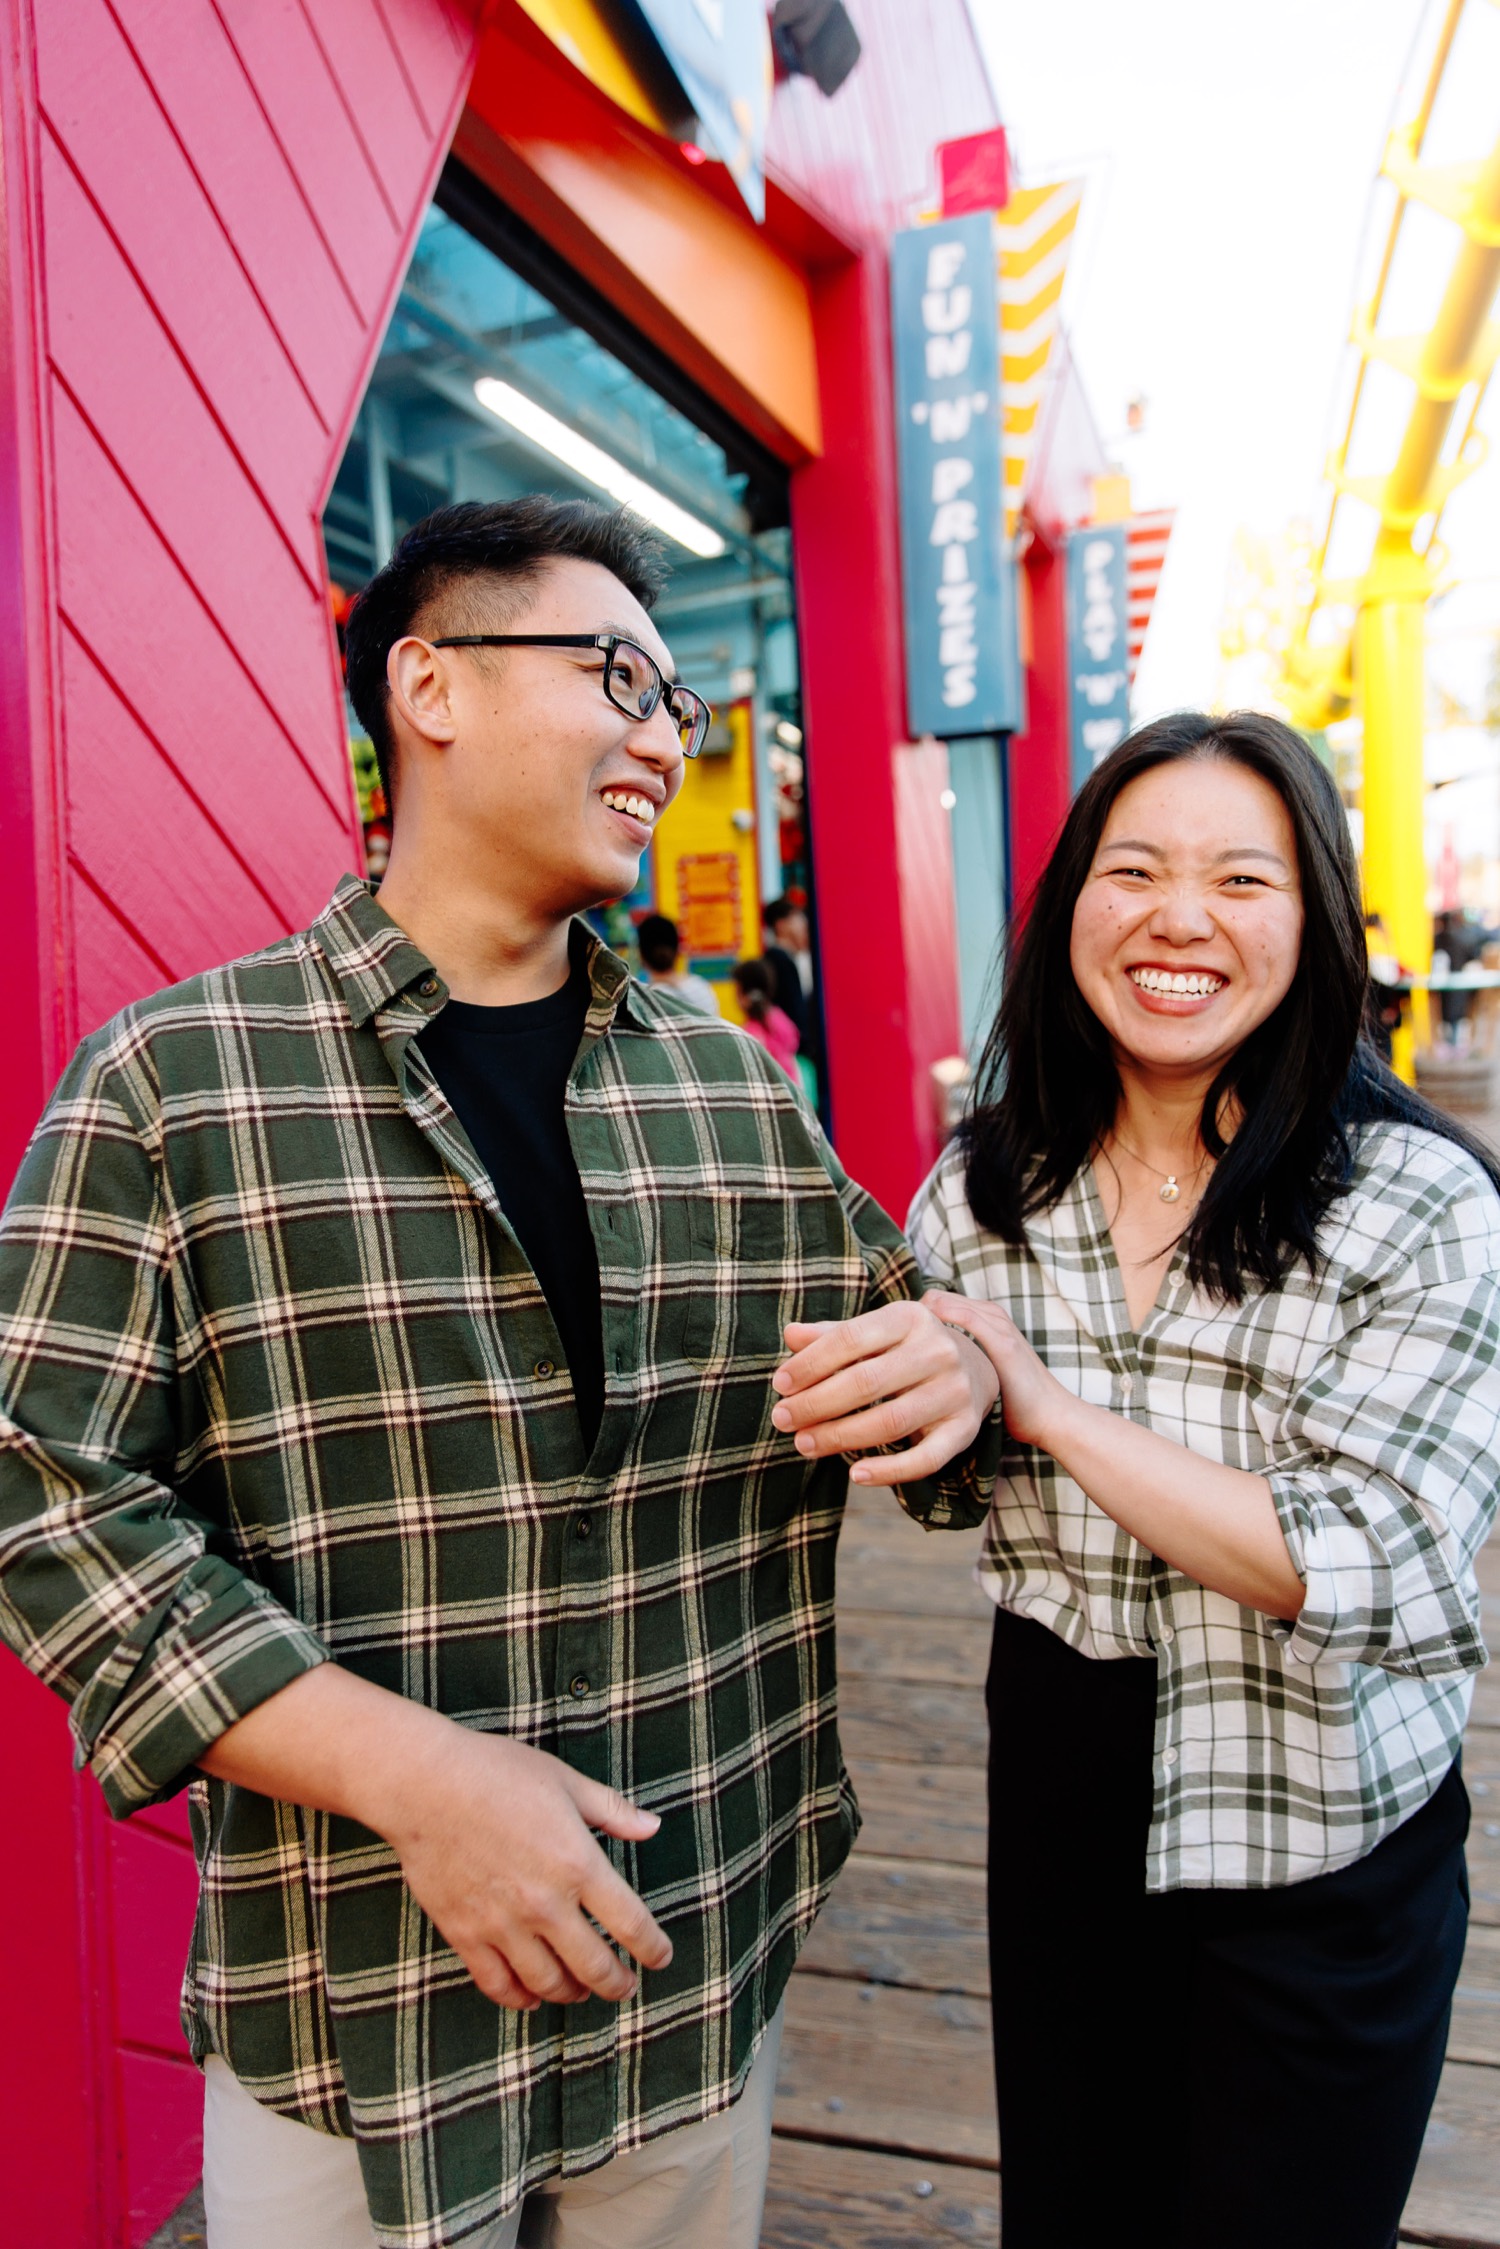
1242 1292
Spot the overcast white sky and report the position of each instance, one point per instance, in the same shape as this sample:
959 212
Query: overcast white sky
1229 155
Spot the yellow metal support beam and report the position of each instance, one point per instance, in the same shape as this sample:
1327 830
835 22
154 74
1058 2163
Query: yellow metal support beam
1383 673
1390 681
1390 656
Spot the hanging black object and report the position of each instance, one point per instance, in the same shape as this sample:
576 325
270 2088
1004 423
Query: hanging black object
815 39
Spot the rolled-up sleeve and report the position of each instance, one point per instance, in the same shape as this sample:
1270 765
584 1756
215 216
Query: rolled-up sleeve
112 1592
1386 1478
962 1495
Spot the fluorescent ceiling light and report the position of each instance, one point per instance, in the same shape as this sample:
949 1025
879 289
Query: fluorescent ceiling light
598 467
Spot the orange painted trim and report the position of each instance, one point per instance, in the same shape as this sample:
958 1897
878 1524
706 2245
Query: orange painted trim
728 305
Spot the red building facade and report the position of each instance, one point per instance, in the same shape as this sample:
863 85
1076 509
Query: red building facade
209 208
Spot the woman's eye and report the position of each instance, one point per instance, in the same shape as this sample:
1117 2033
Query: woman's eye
1251 882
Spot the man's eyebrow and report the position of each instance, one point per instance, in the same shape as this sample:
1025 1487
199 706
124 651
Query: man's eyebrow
632 634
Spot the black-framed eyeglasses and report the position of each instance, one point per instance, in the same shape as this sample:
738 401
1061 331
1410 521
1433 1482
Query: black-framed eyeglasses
632 680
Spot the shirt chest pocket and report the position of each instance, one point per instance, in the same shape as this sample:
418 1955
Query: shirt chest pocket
737 1267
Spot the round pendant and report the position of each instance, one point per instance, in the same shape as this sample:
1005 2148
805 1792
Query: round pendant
1170 1192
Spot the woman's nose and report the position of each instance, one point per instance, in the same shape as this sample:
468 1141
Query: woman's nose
1180 916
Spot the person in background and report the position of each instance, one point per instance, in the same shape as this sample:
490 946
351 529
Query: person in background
1389 987
1455 946
765 1020
661 952
788 956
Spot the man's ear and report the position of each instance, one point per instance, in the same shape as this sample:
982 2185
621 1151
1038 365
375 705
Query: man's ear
421 687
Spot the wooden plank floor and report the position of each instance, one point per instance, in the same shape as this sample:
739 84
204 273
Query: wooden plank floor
885 2118
885 2110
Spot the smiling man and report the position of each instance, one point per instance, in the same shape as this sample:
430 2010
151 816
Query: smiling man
387 1326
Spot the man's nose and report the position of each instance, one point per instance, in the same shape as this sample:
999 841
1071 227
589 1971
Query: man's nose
656 741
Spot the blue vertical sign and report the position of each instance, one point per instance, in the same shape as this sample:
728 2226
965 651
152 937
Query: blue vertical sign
963 672
1098 674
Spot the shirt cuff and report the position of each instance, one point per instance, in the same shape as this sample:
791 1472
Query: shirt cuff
959 1496
1358 1608
208 1657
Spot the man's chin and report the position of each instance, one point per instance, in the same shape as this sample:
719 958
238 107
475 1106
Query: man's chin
601 886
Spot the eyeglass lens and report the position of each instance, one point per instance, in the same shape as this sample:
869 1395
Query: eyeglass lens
634 683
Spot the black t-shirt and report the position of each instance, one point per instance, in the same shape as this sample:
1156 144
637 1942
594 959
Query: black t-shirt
504 1070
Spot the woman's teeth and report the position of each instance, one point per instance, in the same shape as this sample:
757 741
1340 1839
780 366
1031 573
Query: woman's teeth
1200 986
639 808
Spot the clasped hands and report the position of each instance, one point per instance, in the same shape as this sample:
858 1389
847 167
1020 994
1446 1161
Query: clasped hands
920 1377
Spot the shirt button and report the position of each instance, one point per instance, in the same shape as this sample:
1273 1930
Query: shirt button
583 1526
428 987
1169 1756
543 1369
1166 1635
578 1687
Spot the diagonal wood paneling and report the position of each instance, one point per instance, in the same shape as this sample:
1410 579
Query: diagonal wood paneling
210 206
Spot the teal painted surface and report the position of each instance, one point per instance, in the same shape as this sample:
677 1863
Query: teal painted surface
976 777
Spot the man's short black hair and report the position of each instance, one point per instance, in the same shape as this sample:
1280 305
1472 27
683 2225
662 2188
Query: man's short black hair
777 910
499 546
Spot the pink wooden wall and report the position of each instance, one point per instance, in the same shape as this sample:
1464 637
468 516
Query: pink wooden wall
208 208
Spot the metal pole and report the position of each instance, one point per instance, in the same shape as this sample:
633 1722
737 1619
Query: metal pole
1389 666
1389 646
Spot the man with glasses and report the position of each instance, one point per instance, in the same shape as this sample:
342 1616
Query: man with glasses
387 1331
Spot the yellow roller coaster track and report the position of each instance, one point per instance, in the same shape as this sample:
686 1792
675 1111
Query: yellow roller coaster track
1378 668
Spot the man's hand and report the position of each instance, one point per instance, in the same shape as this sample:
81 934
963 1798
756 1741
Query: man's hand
881 1378
493 1836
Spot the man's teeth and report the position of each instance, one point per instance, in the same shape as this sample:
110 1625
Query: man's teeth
639 808
1196 987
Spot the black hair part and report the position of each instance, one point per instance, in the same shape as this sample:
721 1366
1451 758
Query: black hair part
498 545
1303 1083
658 941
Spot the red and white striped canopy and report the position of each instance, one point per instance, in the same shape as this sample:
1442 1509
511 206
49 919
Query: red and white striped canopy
1146 539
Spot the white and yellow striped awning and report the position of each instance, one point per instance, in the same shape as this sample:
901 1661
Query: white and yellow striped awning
1034 234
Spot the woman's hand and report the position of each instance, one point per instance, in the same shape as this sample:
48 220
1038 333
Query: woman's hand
1035 1403
887 1375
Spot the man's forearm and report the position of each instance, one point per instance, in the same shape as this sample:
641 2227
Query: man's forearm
332 1741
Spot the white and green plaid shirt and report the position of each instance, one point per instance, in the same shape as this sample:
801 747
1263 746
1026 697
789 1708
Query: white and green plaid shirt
1369 1399
277 1384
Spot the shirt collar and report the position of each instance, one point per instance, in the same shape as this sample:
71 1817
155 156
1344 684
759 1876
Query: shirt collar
374 960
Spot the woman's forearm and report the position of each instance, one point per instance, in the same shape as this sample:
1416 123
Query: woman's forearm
1218 1525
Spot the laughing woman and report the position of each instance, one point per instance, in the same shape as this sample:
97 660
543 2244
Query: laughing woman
1240 1289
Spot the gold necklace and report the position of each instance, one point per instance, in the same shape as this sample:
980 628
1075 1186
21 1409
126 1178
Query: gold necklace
1169 1191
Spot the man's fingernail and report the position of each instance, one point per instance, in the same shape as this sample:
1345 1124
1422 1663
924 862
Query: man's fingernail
859 1475
782 1416
806 1442
781 1381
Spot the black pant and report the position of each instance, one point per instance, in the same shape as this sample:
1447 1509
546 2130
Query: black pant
1209 2069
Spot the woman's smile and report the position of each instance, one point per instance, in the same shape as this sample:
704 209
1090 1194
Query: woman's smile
1162 989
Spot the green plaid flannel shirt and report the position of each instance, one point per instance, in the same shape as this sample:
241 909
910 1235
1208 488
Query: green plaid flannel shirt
1368 1396
278 1385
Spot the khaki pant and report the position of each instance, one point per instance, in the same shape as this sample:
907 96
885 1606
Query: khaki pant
270 2182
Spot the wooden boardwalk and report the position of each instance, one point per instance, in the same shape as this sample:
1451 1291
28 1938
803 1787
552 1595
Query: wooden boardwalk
885 2118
